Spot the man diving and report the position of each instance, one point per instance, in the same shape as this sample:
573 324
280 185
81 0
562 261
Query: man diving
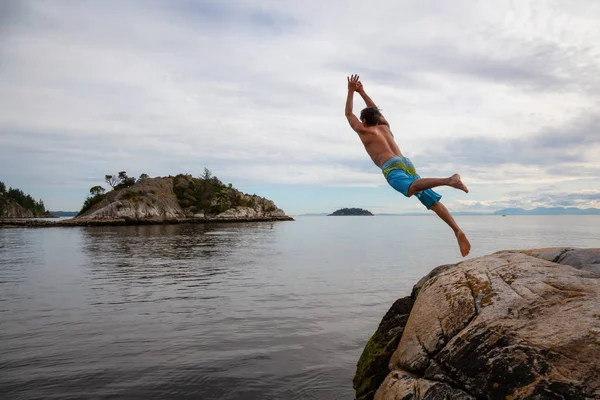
375 134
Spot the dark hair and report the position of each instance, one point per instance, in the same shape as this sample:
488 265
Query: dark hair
370 115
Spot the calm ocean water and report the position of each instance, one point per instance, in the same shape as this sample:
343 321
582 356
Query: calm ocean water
238 311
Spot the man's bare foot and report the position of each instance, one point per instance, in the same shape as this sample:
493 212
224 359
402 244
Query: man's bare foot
456 183
463 243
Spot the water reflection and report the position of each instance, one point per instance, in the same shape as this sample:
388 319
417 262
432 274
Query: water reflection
175 242
169 262
173 250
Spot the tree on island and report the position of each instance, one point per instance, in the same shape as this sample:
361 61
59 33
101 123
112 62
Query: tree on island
96 196
206 175
208 194
121 180
350 211
111 180
125 181
16 196
96 190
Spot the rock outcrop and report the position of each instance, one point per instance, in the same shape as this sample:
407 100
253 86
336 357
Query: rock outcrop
147 199
14 210
250 212
511 325
372 368
154 199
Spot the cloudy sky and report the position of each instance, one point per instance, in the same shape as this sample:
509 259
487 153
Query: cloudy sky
506 93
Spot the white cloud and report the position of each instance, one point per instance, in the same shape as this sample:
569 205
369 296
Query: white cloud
254 89
581 199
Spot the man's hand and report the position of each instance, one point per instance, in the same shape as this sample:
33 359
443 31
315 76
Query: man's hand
359 87
353 83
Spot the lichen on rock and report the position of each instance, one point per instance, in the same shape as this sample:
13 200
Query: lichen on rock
511 325
372 366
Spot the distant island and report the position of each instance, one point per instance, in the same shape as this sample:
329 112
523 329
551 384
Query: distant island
16 204
350 211
549 211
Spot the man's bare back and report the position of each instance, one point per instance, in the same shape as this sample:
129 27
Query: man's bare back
375 134
379 144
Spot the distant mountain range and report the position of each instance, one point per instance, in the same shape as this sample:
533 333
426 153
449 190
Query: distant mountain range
64 213
550 211
425 212
313 215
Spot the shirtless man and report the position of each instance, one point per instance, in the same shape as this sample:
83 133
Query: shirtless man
375 134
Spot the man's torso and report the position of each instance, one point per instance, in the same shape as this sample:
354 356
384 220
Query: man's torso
379 144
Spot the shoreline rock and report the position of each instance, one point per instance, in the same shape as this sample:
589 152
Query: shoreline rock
510 325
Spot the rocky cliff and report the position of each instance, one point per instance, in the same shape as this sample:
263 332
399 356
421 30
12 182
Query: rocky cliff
16 204
511 325
176 198
14 210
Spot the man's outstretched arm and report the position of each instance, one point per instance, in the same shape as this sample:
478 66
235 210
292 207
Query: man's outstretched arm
352 119
361 90
369 102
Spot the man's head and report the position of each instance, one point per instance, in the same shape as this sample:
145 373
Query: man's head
370 116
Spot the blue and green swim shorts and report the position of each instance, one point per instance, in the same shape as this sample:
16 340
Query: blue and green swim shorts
401 173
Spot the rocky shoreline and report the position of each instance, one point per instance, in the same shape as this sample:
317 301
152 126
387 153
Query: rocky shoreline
36 223
510 325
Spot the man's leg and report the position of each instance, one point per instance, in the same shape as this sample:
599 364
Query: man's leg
428 183
443 213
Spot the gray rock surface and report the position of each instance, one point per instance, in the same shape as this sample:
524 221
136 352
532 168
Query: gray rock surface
14 210
250 212
157 202
372 366
511 325
583 259
406 386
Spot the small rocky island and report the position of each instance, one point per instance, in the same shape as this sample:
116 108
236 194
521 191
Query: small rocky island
16 204
172 199
350 211
510 325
